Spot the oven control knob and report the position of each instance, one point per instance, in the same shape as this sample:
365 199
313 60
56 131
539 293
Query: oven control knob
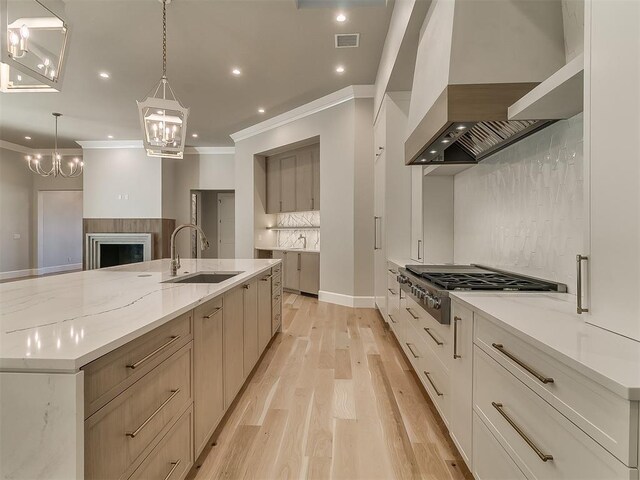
430 300
437 303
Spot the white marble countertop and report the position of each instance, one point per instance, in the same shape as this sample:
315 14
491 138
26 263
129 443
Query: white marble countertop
289 249
60 323
549 322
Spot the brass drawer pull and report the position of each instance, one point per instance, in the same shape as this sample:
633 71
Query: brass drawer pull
173 469
213 313
392 319
438 392
415 317
392 291
411 350
133 366
438 342
543 456
145 423
539 376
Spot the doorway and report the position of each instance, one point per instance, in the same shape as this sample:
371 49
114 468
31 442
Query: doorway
59 230
214 212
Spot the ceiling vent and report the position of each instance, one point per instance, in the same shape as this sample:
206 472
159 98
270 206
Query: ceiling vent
347 40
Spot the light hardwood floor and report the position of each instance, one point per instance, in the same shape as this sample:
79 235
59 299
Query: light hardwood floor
332 398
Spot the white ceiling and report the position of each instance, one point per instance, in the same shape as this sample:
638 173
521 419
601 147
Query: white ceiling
286 55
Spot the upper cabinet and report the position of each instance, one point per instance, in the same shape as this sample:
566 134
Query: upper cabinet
293 180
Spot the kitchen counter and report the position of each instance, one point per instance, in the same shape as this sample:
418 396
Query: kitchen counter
290 249
549 322
60 323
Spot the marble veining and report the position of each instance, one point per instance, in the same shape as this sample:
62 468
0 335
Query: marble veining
61 323
522 209
291 238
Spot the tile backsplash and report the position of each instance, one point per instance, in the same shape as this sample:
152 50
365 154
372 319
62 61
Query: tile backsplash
522 209
306 221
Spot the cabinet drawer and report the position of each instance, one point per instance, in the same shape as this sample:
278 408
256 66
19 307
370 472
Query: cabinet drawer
438 336
435 378
276 321
540 440
611 420
173 457
491 461
128 426
109 375
276 270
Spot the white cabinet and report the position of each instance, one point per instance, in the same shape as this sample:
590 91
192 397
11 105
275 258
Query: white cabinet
379 248
417 245
461 378
612 168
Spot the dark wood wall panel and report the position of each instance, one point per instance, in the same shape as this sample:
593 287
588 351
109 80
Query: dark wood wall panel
160 228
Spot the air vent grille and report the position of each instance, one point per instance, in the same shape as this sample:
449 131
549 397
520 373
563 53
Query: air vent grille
347 40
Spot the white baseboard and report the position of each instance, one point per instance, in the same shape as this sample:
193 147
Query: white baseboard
39 271
346 300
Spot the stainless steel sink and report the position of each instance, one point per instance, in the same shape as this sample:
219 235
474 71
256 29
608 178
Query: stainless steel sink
204 277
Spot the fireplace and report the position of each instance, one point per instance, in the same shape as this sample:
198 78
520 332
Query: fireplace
111 249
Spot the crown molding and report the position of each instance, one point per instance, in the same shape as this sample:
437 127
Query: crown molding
137 144
328 101
14 147
209 150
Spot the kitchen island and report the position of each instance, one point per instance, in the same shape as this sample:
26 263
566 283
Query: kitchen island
59 335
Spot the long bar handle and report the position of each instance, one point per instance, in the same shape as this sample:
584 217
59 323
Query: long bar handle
579 259
538 375
392 291
173 469
455 337
375 233
415 317
213 313
135 365
392 319
156 412
419 244
435 339
438 392
264 279
411 350
543 456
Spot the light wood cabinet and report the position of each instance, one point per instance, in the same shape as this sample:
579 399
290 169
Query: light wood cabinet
264 311
208 374
293 180
309 272
250 300
233 343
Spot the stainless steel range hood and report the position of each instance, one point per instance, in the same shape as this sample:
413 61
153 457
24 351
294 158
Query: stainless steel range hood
475 59
468 123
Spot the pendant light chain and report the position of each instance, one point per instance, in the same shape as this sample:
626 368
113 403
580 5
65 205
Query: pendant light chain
164 38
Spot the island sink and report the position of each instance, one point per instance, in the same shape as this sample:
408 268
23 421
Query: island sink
204 277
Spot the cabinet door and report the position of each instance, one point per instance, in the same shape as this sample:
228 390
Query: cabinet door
233 346
264 312
250 299
379 243
417 244
309 272
461 378
315 199
304 181
273 185
612 176
291 272
288 183
208 386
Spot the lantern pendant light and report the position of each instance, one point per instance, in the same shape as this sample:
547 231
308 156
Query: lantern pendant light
57 170
162 116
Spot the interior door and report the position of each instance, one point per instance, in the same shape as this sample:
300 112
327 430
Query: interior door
288 183
226 225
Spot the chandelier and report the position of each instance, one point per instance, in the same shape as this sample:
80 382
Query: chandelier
33 41
57 170
162 116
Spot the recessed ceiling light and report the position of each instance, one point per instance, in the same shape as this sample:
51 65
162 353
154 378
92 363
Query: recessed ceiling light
460 127
27 138
340 69
261 110
194 135
236 71
109 137
104 74
445 141
341 17
433 151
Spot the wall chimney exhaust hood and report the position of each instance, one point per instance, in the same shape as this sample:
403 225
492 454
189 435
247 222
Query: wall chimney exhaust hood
475 59
468 123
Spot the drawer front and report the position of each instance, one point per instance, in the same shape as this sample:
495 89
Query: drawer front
277 270
128 426
392 269
490 460
109 375
276 282
609 419
173 457
415 347
540 440
438 336
435 379
276 319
